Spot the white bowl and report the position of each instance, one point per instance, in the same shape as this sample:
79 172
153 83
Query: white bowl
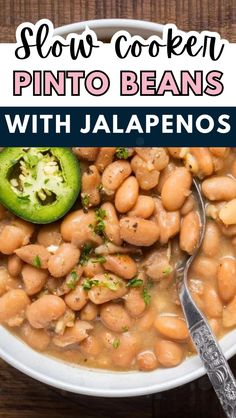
90 381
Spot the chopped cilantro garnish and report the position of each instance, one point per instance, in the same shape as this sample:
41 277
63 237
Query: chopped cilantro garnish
85 200
122 153
89 283
100 215
85 253
108 282
73 281
100 259
166 271
111 285
146 296
37 262
116 343
125 329
135 282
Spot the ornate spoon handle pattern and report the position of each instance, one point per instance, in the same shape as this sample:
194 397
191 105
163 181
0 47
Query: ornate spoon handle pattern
211 355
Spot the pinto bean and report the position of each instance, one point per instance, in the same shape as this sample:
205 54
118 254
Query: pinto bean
104 158
107 338
4 277
218 163
211 241
86 153
92 268
134 303
227 213
36 338
122 265
63 261
215 325
178 152
226 278
91 180
111 223
157 265
172 327
27 228
115 317
115 173
205 267
204 160
124 355
34 254
219 188
228 231
191 163
188 205
233 168
89 312
169 222
61 286
90 346
176 189
221 152
34 279
127 195
169 354
147 361
78 227
14 265
11 238
229 314
147 176
164 176
110 248
12 304
109 287
137 231
77 298
12 282
44 310
73 222
49 235
143 208
73 335
158 157
145 323
190 232
213 304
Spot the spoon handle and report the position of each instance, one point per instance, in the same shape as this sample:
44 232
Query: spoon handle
211 355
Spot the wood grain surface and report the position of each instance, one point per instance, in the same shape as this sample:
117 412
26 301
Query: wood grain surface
21 396
217 15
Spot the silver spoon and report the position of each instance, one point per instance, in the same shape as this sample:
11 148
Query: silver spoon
208 349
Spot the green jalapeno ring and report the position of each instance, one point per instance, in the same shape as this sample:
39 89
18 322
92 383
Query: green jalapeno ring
39 185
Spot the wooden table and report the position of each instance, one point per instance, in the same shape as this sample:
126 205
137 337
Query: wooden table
21 396
218 15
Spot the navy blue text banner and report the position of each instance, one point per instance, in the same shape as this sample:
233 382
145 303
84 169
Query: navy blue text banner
117 126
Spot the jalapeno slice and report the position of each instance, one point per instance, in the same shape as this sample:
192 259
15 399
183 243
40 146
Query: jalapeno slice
39 184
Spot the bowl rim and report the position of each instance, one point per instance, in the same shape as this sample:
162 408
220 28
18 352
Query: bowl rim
26 364
113 24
